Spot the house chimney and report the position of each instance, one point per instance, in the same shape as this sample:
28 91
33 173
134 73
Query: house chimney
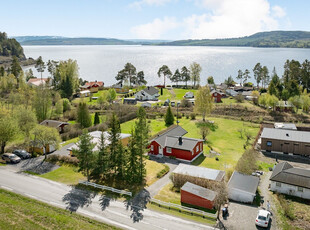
180 141
287 135
148 87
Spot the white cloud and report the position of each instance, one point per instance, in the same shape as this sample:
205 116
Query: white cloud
278 11
232 18
155 29
139 4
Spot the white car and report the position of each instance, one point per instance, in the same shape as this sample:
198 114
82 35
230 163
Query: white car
263 218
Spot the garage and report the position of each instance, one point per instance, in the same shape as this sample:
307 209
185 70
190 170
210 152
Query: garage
242 188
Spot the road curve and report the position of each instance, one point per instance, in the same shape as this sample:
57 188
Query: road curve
115 214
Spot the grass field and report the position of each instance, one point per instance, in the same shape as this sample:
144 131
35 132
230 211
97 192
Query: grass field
152 168
69 175
167 194
64 174
177 96
18 212
225 139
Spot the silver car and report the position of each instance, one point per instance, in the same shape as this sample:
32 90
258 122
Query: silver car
10 158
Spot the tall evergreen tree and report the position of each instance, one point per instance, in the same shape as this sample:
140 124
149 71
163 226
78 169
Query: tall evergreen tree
114 139
96 119
15 67
176 76
40 65
169 118
101 166
165 71
85 154
185 75
246 76
140 78
83 116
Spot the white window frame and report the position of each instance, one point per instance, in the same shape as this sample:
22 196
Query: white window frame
278 184
152 147
300 189
197 148
169 150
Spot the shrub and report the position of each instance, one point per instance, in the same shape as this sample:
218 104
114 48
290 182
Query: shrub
70 115
239 98
63 160
186 104
247 162
163 172
193 116
187 116
286 207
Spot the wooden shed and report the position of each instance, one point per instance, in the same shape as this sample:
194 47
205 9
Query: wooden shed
197 196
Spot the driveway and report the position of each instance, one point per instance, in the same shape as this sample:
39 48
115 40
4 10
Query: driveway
37 164
242 216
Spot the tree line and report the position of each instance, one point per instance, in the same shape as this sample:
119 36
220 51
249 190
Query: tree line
10 47
114 164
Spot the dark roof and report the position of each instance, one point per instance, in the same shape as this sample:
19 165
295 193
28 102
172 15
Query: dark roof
175 131
186 144
53 123
287 174
200 172
246 93
231 92
150 90
243 182
286 135
199 191
216 91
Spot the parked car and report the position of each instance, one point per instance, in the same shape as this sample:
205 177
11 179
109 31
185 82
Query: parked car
263 218
23 154
10 158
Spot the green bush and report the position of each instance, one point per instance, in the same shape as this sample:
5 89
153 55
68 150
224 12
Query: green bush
163 172
63 160
286 207
193 116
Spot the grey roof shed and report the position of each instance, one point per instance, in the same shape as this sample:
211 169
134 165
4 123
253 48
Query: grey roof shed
246 183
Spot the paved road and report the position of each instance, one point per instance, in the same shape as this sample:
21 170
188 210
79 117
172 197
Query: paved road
85 203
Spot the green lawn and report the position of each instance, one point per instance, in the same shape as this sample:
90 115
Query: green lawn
232 101
64 174
167 194
18 212
179 93
225 139
152 168
155 126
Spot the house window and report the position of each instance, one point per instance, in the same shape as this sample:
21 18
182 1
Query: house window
300 189
168 150
278 184
197 148
201 146
152 147
269 143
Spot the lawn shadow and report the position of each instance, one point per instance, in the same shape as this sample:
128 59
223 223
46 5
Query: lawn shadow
78 197
199 160
137 204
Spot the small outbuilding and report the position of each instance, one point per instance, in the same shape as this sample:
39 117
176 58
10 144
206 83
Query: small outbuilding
59 125
84 93
217 96
197 196
146 104
130 101
242 188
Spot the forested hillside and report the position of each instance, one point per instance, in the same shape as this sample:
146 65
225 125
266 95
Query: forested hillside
10 47
288 39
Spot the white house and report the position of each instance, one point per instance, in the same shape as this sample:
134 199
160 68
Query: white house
84 93
189 95
242 188
148 94
291 181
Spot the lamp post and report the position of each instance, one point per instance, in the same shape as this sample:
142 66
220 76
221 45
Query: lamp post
178 113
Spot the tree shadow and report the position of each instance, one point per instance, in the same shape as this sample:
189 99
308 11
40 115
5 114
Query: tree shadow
106 198
137 204
78 197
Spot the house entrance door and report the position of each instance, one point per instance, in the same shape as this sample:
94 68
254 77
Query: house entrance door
160 152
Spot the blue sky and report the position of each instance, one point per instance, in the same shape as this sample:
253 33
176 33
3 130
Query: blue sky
152 19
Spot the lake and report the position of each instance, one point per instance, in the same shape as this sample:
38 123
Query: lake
103 62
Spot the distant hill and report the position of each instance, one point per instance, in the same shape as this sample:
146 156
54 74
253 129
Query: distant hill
53 40
288 39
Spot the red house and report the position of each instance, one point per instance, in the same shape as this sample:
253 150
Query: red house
217 96
93 86
172 144
197 196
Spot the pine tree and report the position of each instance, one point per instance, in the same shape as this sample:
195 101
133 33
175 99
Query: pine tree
85 154
83 116
96 118
101 166
114 139
169 118
141 136
132 160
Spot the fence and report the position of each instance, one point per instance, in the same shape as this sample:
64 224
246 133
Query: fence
183 208
105 188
